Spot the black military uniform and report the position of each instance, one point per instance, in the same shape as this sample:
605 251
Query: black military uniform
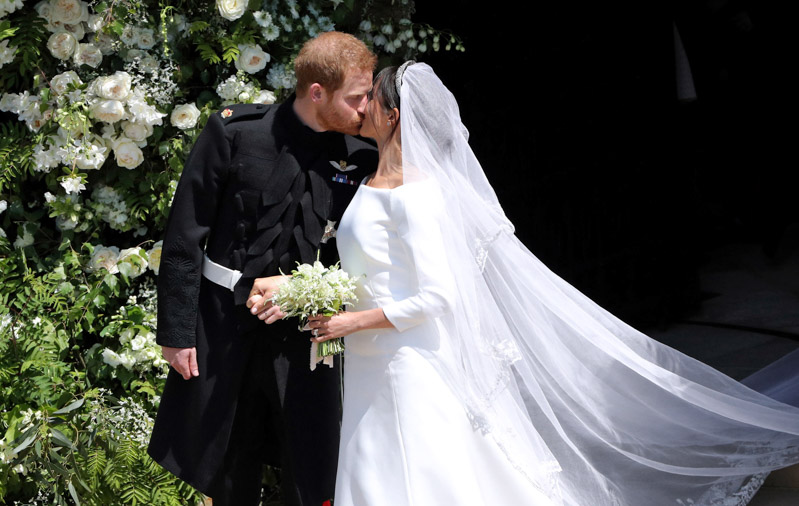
259 192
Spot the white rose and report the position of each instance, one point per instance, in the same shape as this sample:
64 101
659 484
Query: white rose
231 9
185 116
131 263
265 97
145 38
109 111
113 87
127 153
129 35
154 256
62 45
137 132
105 258
60 83
77 30
252 59
88 54
43 9
68 11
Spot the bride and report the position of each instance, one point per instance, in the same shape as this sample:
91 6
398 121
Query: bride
474 375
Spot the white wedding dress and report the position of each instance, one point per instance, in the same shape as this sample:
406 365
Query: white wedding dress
504 385
406 439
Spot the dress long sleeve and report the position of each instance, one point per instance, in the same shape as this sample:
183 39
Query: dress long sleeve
191 217
417 209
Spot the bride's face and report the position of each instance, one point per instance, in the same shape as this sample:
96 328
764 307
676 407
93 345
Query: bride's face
379 122
375 118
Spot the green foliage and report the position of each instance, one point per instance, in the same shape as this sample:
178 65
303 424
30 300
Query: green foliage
93 137
16 149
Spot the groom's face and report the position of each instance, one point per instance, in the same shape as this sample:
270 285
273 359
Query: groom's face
344 109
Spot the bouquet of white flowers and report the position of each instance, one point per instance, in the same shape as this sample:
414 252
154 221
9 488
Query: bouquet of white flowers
316 290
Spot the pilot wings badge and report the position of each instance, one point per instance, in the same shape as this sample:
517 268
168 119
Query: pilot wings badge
342 166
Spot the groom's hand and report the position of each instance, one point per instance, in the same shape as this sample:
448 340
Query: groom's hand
260 299
183 360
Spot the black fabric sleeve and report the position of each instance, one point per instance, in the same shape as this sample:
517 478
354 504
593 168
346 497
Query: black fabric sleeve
193 212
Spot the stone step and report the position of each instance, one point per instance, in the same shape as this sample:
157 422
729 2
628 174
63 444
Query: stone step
775 496
784 478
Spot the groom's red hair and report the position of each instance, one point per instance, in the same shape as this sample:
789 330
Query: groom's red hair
327 58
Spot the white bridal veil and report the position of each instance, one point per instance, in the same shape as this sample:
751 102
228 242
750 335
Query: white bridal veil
592 411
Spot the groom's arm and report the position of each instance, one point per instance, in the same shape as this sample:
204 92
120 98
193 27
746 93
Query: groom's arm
183 360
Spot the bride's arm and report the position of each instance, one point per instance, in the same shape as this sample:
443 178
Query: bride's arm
348 322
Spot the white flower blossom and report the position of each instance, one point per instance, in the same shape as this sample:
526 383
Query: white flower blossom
111 358
154 256
90 156
129 35
280 77
109 111
270 33
141 111
24 239
95 22
265 97
62 45
113 87
9 6
137 132
146 38
263 18
68 11
73 185
49 197
231 9
252 58
3 206
88 54
132 262
6 53
185 116
127 153
61 82
104 257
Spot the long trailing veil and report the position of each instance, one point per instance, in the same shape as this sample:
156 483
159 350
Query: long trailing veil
587 408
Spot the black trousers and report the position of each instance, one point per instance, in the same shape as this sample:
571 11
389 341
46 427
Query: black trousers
287 416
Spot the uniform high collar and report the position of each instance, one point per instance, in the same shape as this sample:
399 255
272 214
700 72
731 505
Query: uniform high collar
295 133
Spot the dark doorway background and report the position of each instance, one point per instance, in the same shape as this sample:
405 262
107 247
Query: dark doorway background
615 180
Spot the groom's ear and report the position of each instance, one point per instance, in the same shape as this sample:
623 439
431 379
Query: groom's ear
317 93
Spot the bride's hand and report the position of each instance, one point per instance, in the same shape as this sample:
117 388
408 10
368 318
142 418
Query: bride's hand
341 324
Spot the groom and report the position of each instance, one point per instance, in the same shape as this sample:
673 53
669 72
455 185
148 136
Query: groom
262 189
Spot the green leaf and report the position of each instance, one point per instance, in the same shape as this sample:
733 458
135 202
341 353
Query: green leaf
70 407
25 443
61 439
73 493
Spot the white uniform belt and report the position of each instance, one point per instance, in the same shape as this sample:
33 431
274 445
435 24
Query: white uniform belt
220 275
